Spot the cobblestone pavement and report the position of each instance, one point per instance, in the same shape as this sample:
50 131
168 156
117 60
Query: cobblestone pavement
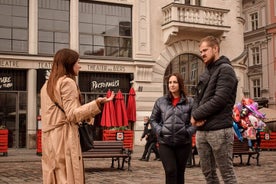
23 166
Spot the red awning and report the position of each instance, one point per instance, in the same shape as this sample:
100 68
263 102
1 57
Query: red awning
131 105
108 114
120 109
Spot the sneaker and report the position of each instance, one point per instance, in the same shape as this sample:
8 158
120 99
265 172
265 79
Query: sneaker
142 159
251 149
188 165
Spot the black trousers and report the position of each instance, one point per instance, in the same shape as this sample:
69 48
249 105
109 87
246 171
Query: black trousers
153 148
174 159
146 150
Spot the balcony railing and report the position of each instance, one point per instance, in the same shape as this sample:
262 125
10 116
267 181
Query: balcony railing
194 18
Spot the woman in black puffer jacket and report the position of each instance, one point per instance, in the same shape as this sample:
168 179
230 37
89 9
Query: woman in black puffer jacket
170 119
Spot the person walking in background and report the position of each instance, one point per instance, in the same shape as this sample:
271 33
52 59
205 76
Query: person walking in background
61 111
170 120
151 141
212 113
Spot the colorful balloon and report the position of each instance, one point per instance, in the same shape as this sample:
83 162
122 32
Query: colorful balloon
237 131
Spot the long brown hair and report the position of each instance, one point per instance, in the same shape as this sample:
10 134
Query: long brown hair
180 81
64 61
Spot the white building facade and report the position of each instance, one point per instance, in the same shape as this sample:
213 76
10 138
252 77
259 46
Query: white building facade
122 43
259 39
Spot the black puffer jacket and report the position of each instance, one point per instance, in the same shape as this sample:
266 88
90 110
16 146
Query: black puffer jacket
172 124
214 100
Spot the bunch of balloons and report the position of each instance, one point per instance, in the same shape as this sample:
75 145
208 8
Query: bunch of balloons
247 119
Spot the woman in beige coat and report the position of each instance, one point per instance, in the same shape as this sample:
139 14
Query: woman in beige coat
61 152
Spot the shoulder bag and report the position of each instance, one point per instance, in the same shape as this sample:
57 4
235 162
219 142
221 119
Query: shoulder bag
85 132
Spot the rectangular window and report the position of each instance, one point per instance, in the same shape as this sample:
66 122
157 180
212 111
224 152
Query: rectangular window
53 25
14 26
197 2
183 72
189 2
256 55
105 30
193 71
254 21
256 88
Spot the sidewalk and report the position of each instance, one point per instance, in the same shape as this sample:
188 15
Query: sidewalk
23 166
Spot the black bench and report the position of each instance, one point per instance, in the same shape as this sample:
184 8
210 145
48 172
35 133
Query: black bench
110 149
242 148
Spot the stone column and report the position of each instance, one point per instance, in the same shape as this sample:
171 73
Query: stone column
33 27
74 25
31 108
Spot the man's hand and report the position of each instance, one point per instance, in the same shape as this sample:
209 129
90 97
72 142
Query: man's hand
197 123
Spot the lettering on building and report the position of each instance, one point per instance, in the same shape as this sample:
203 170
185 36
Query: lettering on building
5 82
8 63
106 68
104 84
45 65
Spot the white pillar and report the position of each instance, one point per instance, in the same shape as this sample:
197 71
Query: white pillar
33 27
31 108
74 25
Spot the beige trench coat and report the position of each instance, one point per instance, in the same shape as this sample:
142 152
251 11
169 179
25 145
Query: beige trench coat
61 153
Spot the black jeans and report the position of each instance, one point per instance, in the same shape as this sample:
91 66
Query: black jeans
174 159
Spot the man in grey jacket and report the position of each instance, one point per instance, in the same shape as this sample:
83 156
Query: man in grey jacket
212 113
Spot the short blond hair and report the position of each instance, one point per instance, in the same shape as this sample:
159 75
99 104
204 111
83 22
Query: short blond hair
211 40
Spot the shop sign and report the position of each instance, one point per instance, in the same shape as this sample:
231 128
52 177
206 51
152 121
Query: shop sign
104 84
106 68
267 136
13 79
119 136
6 82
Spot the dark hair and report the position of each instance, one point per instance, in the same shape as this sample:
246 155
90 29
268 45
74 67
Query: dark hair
211 40
180 81
63 64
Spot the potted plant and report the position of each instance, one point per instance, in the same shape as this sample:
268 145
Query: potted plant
4 140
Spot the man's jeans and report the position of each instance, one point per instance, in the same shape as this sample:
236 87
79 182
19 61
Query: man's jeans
215 148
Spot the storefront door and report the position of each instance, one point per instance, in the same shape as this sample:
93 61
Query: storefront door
13 117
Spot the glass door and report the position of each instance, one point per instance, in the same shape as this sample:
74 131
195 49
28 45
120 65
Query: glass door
13 117
22 119
8 115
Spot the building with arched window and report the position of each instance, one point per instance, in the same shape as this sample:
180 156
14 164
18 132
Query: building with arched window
126 43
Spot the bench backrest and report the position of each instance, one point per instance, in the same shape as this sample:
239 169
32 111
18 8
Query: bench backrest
240 146
107 146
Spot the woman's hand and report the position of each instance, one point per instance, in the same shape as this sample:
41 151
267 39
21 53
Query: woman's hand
104 100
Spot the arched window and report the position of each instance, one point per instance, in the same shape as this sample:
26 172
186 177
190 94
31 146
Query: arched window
190 66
